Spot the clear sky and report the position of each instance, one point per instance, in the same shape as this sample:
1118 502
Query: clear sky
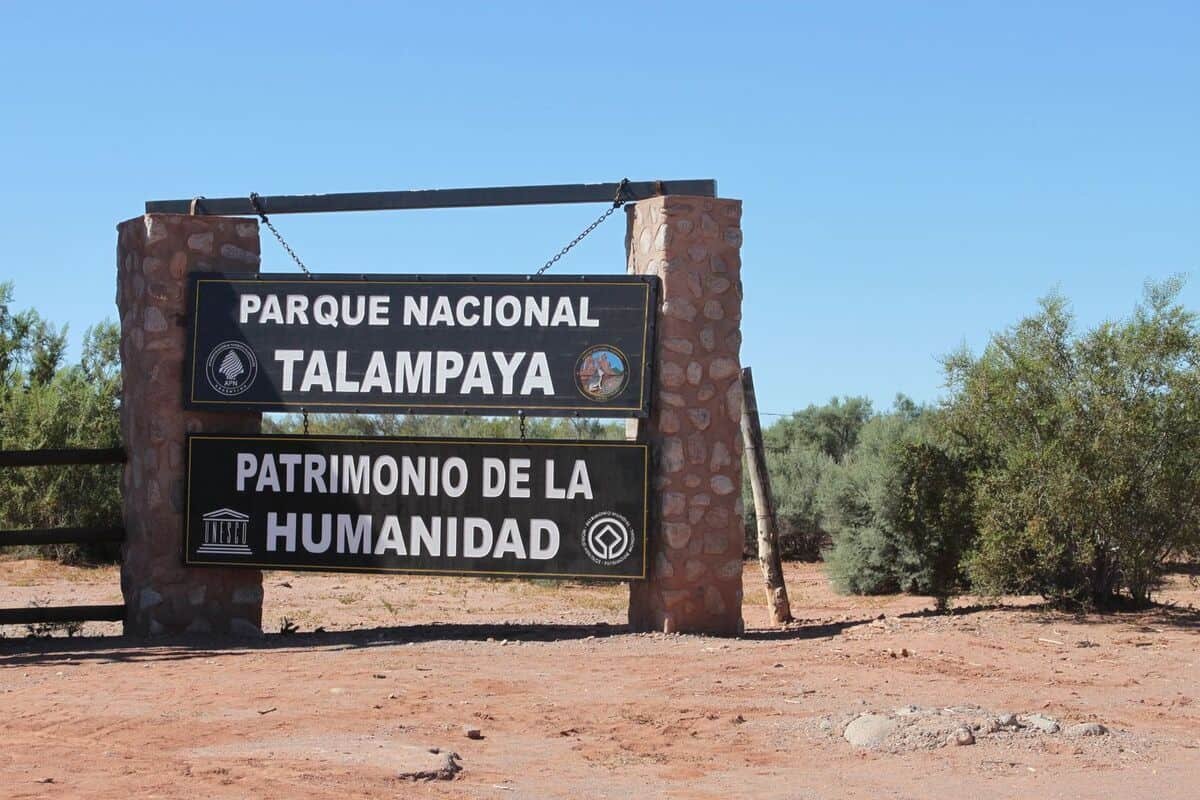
915 174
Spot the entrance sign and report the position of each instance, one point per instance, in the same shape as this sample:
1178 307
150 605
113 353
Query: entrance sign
561 346
456 506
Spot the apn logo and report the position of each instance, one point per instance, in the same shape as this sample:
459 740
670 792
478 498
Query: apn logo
231 368
225 533
608 538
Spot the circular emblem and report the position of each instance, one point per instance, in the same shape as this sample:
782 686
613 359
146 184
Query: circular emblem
602 372
231 368
608 538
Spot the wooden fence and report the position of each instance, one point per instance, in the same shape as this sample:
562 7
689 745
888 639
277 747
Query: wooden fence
11 538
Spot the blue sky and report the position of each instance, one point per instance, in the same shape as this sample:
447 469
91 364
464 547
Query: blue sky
915 175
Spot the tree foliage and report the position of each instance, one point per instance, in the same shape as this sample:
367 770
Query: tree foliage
900 510
463 427
832 429
802 452
45 403
1087 449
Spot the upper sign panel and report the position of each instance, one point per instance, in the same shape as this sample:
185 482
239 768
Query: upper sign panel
561 346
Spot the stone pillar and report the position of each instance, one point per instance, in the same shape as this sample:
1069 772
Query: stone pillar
695 575
154 255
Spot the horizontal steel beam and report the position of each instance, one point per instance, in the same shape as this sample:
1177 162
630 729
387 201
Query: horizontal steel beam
37 536
36 614
434 198
45 458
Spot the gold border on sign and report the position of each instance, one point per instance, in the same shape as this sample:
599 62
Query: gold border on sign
187 520
646 311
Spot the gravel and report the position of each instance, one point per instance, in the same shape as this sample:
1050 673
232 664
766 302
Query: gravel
1086 729
910 728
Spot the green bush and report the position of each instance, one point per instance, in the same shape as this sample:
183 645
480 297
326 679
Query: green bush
1087 450
46 404
803 451
900 512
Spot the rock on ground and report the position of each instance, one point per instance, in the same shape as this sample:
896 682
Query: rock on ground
1087 729
426 764
962 736
869 730
1042 723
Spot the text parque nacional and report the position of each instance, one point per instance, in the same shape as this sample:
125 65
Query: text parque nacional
421 371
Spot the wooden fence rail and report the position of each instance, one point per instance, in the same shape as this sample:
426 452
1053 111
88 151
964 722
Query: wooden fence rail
33 615
35 536
41 614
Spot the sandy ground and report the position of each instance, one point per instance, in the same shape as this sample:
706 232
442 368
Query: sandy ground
571 706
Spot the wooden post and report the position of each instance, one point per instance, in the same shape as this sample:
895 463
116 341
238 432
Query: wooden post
764 506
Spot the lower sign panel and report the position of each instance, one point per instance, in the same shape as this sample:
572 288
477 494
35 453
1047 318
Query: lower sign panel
461 506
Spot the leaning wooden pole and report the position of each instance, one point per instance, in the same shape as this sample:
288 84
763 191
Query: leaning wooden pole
764 505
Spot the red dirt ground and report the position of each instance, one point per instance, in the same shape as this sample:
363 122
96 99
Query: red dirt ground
571 706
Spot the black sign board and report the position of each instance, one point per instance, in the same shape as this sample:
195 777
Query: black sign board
458 506
573 346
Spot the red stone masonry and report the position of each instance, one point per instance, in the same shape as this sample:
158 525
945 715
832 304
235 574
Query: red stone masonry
695 581
154 255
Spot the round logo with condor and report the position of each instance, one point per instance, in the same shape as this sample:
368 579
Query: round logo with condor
602 372
231 368
608 538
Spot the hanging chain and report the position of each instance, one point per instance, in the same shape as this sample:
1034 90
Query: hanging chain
618 202
262 215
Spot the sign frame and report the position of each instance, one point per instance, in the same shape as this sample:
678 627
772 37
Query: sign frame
581 407
646 514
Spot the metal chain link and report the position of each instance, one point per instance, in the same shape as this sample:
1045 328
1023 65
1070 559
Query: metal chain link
618 202
262 215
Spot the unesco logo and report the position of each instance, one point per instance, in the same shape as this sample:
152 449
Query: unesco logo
608 538
231 368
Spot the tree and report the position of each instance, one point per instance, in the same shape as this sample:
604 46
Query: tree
832 429
46 404
802 451
1086 450
459 427
934 519
799 475
899 510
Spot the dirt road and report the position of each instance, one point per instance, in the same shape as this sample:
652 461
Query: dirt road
571 706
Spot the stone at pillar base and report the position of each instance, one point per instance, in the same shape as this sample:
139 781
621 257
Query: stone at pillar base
154 255
695 576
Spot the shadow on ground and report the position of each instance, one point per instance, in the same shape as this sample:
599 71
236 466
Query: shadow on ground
29 651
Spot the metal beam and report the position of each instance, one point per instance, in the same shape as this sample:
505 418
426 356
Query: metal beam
39 536
36 614
435 198
43 458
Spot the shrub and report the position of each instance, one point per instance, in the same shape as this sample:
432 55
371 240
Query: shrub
803 451
900 512
1088 450
46 404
